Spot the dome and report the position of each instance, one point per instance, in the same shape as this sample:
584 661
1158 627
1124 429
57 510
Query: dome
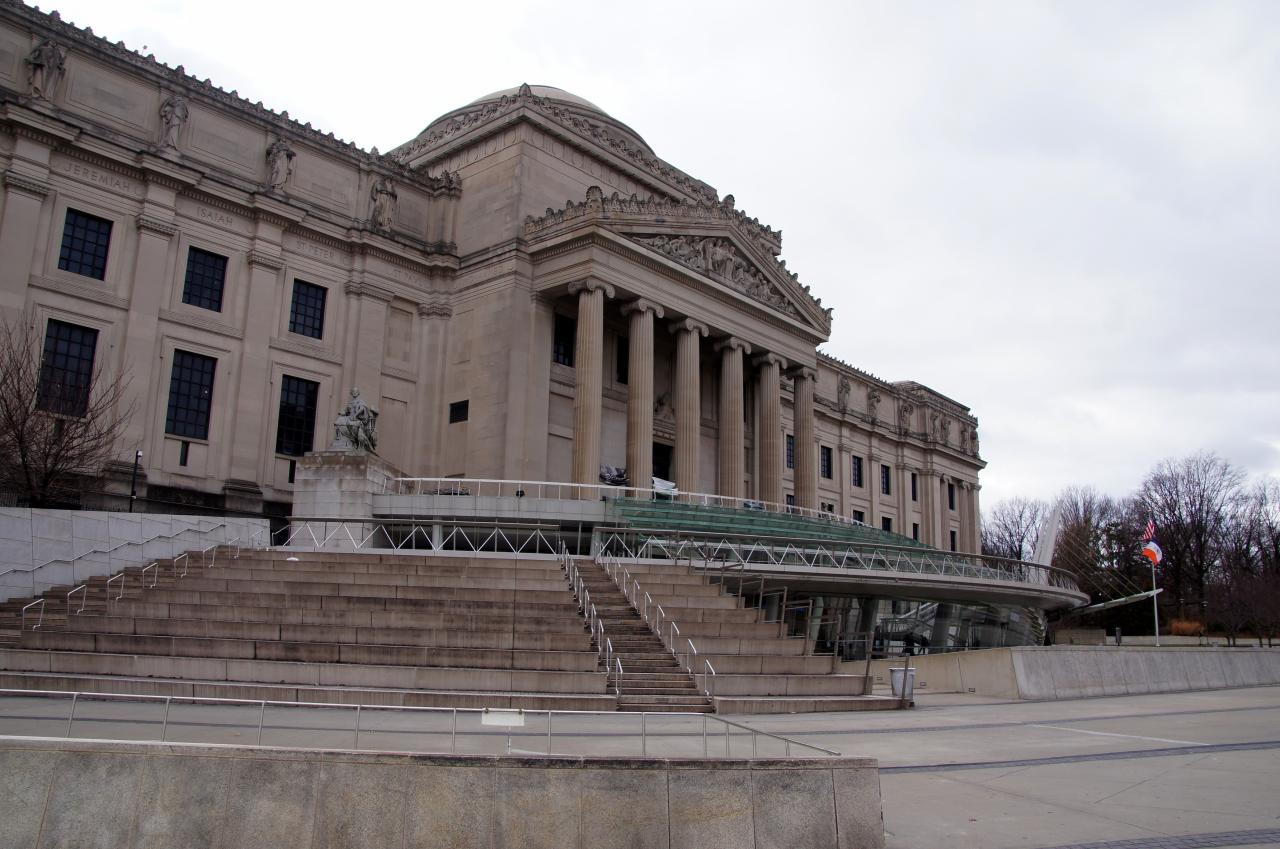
579 106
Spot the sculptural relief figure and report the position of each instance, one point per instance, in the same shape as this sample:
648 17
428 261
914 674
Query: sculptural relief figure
356 427
45 64
279 164
842 393
873 401
973 440
173 114
382 197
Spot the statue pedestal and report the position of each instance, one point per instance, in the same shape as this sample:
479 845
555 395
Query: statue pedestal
339 484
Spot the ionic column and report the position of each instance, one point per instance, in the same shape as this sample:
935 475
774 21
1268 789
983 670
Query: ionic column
806 447
588 363
769 393
688 408
732 427
640 391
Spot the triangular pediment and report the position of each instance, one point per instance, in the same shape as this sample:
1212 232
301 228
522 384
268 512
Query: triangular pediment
727 262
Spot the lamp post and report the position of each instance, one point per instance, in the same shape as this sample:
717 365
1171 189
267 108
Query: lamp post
133 480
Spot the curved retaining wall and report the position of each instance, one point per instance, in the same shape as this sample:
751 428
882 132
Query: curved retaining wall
148 796
1067 672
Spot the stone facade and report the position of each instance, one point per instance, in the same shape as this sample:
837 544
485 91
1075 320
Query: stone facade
524 291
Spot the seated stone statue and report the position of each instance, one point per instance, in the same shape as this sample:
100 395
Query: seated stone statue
355 428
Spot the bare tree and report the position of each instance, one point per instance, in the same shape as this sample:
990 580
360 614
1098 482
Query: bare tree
1191 501
59 420
1012 528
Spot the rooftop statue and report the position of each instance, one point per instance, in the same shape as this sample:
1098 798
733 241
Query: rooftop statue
356 427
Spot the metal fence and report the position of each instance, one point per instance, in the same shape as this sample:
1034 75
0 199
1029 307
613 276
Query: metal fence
372 728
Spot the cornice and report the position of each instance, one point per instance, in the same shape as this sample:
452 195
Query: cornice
592 235
37 189
201 323
295 346
488 118
156 226
368 290
176 80
265 260
437 307
656 217
85 291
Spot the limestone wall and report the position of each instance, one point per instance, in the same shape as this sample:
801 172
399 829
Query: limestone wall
133 795
29 538
1067 672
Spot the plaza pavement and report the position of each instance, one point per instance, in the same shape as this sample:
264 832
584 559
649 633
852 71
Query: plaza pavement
1169 771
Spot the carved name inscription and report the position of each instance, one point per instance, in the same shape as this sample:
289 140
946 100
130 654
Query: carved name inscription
315 251
215 216
102 178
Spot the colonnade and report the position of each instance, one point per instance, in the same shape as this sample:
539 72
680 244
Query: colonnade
643 317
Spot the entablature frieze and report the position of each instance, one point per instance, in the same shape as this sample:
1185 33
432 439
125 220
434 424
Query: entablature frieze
595 237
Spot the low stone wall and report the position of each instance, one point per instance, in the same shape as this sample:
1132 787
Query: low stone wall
140 796
31 537
1064 672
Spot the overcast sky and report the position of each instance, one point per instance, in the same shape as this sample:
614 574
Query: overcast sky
1063 215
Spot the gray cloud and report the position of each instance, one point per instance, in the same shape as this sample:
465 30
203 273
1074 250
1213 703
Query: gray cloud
1061 214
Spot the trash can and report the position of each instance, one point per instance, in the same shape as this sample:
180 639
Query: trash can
895 681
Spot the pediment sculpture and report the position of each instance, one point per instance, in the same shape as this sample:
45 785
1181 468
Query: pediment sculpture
718 259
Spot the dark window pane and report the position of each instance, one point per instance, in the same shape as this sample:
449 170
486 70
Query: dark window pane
296 428
459 411
306 316
564 338
791 451
825 463
886 480
190 395
915 487
206 274
623 360
859 516
951 496
85 239
66 372
886 524
857 471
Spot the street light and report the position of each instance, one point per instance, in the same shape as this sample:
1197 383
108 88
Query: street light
133 480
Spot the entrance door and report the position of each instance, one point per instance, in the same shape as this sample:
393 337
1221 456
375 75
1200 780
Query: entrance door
661 463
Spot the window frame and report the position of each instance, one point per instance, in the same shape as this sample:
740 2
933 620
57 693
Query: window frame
855 471
207 412
299 320
886 479
791 450
281 426
192 251
65 262
46 400
456 407
826 462
564 350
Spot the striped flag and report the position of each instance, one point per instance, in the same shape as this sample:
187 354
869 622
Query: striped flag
1152 552
1150 533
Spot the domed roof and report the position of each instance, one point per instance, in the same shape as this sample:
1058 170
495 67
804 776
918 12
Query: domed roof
579 106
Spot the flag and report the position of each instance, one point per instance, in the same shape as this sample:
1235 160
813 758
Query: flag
1152 552
1150 533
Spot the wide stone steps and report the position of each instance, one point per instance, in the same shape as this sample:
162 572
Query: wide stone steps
347 628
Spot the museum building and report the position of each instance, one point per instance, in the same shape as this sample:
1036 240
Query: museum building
524 291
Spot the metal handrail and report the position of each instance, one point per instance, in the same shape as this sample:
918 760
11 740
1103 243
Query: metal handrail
420 535
564 491
78 698
739 551
83 589
120 578
40 621
108 551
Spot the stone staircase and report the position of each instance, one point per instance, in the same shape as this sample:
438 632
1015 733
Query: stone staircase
652 679
376 629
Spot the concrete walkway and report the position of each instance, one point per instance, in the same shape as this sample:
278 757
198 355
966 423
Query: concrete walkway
1174 771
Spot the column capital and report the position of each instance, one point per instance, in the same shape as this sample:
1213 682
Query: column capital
642 305
157 226
690 325
733 342
29 186
356 289
803 372
591 285
768 358
437 307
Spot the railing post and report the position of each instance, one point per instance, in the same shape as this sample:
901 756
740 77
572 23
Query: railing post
164 728
72 717
357 741
262 714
